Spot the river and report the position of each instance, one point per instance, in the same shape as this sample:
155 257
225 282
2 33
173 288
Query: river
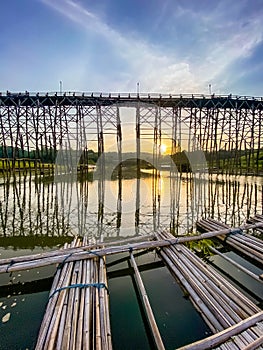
39 213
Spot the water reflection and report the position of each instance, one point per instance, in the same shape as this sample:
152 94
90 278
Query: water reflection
233 199
29 208
37 207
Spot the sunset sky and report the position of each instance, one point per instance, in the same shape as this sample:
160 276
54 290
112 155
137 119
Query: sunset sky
168 46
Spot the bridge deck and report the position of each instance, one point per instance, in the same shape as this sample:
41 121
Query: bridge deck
103 99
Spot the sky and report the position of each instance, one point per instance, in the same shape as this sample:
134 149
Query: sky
167 46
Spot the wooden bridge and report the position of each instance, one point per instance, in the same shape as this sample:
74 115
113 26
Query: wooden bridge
226 128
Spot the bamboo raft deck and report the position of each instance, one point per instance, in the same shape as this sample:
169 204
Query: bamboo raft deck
257 219
224 308
248 245
77 312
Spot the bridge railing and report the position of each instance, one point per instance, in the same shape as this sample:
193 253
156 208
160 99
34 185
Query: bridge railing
127 95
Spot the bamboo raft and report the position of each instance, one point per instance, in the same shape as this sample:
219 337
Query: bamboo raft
222 306
257 219
77 312
248 245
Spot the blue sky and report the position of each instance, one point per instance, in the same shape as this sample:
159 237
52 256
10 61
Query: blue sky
168 46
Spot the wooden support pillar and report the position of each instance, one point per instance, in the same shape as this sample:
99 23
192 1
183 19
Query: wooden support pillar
138 155
119 147
101 180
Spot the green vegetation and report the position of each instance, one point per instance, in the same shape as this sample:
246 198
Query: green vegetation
236 161
12 158
44 155
233 162
201 247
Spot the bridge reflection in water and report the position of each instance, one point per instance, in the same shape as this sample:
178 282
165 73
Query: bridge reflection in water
40 209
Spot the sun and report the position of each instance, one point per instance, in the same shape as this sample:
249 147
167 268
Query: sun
163 148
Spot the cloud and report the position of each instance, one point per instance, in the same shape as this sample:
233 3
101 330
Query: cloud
80 15
217 39
140 61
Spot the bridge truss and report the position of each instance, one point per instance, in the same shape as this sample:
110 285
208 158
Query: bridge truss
226 128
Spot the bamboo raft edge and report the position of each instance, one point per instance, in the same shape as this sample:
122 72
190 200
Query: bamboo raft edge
82 253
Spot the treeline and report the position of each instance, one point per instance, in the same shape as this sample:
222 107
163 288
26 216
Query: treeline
219 159
234 153
45 155
232 160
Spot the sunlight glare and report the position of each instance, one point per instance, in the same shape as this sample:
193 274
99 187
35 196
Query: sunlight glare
163 148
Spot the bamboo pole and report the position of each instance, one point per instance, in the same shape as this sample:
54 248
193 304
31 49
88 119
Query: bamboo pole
87 308
72 249
248 306
11 265
255 344
222 303
224 335
62 277
96 303
75 305
80 321
51 304
147 306
234 263
107 312
101 299
212 321
204 285
253 249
